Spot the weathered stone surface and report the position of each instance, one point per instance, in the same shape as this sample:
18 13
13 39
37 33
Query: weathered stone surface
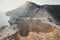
36 29
30 9
36 22
6 31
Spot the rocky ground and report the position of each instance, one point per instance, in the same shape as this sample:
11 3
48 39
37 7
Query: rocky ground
31 22
31 29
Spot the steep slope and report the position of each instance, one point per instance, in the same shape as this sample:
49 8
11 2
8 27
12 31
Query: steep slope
37 30
55 12
30 9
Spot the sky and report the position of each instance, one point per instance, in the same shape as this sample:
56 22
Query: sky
3 19
7 5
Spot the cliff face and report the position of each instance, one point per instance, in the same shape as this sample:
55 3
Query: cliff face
33 29
31 10
26 10
32 22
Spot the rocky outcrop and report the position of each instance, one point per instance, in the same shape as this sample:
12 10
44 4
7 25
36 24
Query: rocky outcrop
32 22
6 31
34 25
35 29
30 9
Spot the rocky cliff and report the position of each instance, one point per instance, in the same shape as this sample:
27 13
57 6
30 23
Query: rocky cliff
30 9
32 22
32 29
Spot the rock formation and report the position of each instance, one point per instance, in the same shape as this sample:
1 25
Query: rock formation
32 29
30 9
32 22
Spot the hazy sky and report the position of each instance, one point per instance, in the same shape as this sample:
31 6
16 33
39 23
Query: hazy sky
7 5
